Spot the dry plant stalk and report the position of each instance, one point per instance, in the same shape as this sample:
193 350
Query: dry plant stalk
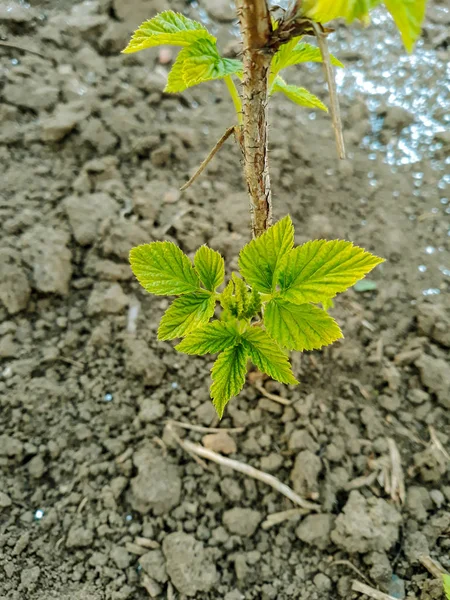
357 586
195 450
256 29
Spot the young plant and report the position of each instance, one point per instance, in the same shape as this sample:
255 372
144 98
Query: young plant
270 307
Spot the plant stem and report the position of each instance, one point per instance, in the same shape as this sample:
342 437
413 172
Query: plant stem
235 97
256 29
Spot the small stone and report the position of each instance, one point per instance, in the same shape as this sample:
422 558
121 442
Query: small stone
189 568
151 410
60 124
157 486
87 212
144 362
45 250
121 557
220 442
36 467
322 582
242 521
10 447
301 440
366 525
106 298
315 530
5 500
415 546
79 537
15 289
154 565
435 375
28 577
272 462
305 474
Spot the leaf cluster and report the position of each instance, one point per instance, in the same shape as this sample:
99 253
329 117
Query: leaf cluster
265 310
199 59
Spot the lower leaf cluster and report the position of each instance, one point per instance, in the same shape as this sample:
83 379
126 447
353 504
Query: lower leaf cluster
268 310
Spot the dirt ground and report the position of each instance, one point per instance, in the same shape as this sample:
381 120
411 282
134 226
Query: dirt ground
97 502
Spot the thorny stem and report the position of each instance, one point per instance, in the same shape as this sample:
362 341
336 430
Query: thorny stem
256 29
235 97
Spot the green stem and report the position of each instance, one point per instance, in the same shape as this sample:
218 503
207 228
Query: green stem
235 97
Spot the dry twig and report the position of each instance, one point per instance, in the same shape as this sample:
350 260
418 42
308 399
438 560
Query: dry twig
276 484
274 397
357 586
208 159
347 563
334 101
201 429
286 515
396 485
432 566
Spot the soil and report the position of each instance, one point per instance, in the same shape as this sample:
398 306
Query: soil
96 500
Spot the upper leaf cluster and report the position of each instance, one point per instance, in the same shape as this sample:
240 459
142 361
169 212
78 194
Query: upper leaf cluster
199 59
267 310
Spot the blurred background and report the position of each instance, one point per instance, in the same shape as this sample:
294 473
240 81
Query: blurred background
96 500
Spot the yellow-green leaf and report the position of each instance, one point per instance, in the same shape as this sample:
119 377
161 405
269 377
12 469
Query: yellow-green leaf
228 375
327 10
408 16
297 94
260 260
210 267
447 586
300 327
267 355
200 62
163 269
185 314
294 53
169 28
320 269
209 339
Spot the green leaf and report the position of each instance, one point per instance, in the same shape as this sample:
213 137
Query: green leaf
213 337
169 28
327 10
327 304
297 94
408 16
197 63
267 355
447 586
260 260
163 269
320 269
241 294
185 314
294 53
254 305
300 327
210 267
228 375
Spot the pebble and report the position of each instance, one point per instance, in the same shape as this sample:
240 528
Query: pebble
188 565
79 537
120 557
220 442
5 500
242 521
